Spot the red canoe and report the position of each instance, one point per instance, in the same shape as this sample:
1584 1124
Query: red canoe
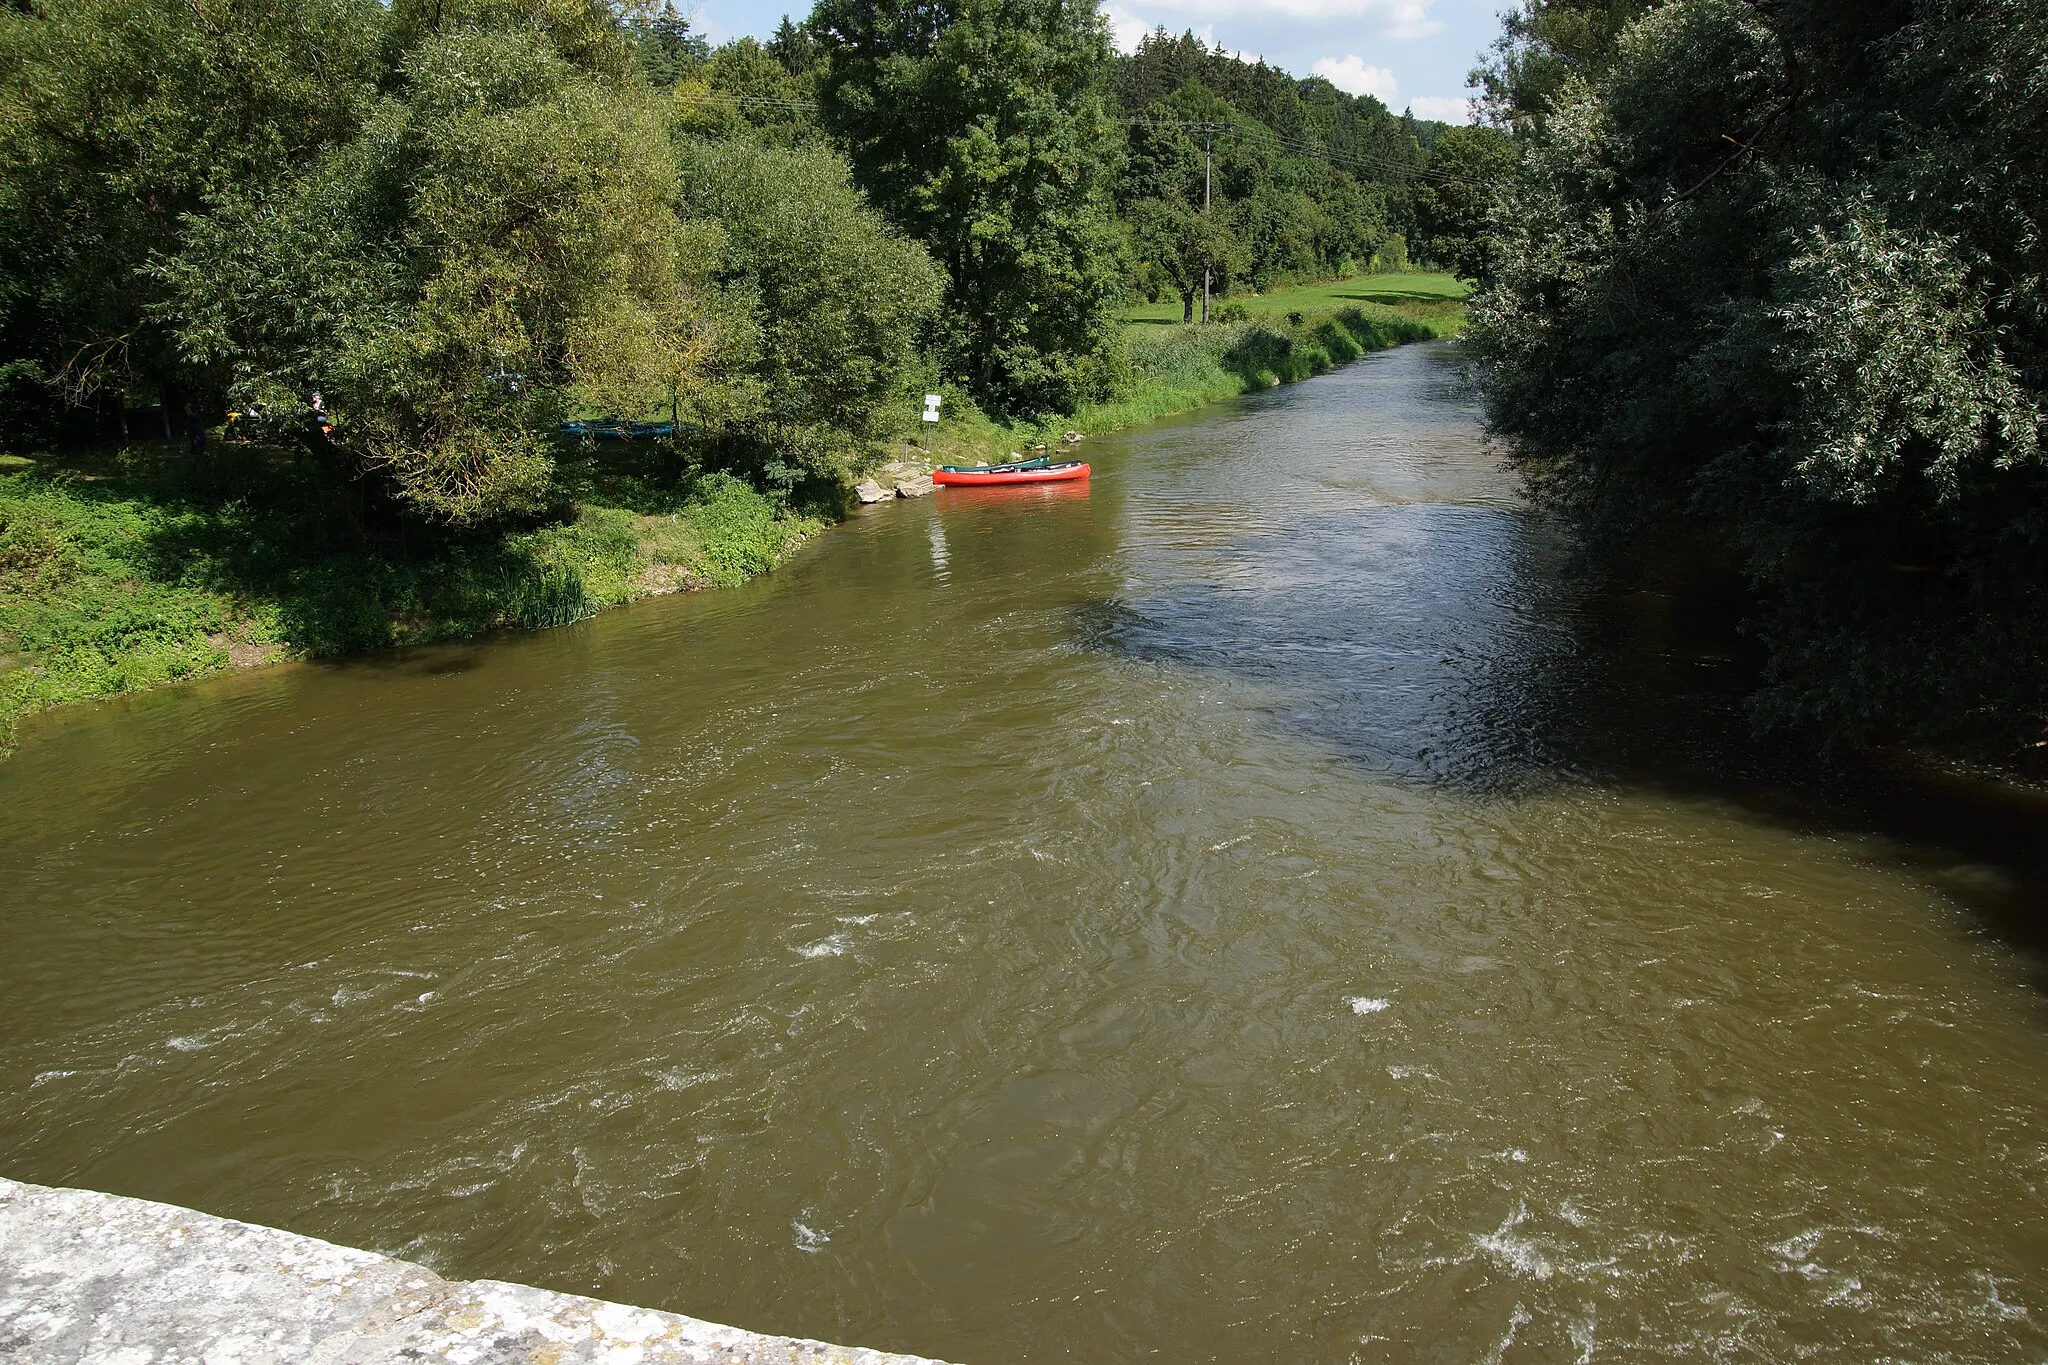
1031 472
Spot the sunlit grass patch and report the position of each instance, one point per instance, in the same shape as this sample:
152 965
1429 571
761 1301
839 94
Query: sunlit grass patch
1418 293
1171 369
119 572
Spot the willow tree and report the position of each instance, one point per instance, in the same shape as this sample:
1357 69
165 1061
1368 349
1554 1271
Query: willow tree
1774 273
119 121
495 246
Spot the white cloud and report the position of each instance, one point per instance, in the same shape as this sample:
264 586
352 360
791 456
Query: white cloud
1409 19
704 25
1125 28
1396 19
1442 108
1354 77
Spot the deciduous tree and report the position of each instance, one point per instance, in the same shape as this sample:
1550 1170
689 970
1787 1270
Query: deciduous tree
496 247
1454 200
980 127
832 300
1772 273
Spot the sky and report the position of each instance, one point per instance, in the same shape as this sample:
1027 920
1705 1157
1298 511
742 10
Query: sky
1410 53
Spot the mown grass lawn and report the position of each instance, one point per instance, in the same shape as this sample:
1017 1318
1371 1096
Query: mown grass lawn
1412 293
1170 367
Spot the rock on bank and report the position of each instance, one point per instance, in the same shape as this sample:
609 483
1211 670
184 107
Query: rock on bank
88 1277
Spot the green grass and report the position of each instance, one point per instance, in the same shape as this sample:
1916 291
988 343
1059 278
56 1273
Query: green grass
1417 295
1174 367
121 572
1182 367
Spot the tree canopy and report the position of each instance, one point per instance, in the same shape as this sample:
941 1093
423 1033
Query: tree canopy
981 127
492 247
1454 199
461 223
830 302
119 120
1307 182
1772 273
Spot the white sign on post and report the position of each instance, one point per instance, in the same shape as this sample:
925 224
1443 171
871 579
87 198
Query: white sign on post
931 407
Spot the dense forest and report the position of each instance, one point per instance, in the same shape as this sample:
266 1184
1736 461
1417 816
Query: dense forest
1766 280
467 223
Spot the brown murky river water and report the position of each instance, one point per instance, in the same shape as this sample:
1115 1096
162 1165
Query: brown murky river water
1254 908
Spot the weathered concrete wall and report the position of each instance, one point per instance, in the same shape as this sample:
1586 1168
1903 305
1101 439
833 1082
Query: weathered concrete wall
114 1281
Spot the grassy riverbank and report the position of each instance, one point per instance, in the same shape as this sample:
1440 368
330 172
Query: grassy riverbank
1416 295
1287 335
123 570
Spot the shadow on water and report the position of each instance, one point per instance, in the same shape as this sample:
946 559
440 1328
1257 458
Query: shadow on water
442 660
1434 630
1675 673
1639 688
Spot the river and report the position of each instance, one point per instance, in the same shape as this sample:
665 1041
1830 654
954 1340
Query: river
1254 907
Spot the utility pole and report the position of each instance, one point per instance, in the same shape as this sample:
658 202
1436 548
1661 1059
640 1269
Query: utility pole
1207 130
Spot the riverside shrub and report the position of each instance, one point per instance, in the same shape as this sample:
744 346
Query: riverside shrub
825 304
154 571
1772 273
